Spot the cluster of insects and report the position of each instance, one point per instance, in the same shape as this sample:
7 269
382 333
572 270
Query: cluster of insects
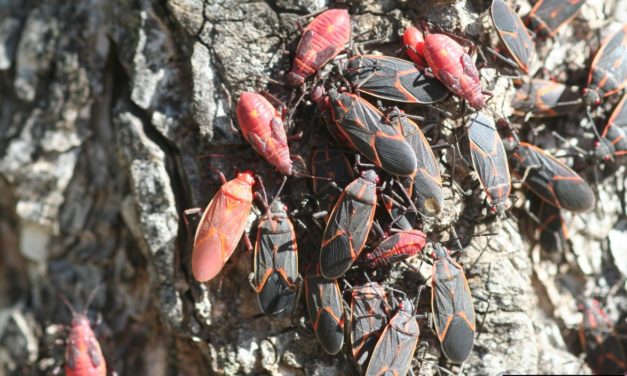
375 190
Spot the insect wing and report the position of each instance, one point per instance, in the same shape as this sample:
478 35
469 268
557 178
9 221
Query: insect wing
512 33
394 79
614 132
489 158
608 71
547 16
542 98
326 312
369 317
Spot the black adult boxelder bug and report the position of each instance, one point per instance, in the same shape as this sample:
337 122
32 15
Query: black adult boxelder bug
275 262
513 33
605 352
397 247
490 161
324 303
543 98
547 16
613 141
395 349
451 302
365 130
426 185
332 164
552 180
393 79
370 313
608 72
348 225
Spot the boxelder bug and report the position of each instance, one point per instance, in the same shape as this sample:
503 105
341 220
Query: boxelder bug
332 164
397 247
366 130
396 347
605 352
83 355
512 33
608 72
551 227
321 41
426 185
222 225
454 68
276 261
262 126
349 225
324 303
451 302
396 207
543 98
369 314
547 16
613 141
414 42
393 79
489 160
552 180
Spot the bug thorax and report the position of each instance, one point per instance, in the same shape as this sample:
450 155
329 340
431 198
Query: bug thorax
246 177
439 251
277 209
80 319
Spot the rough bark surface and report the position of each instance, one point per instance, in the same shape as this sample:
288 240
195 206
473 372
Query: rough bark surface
105 107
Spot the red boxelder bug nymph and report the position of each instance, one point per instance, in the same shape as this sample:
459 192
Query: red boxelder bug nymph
543 98
324 303
366 130
613 141
348 226
512 33
276 261
426 185
453 311
414 42
604 349
552 180
396 347
83 355
332 164
489 160
547 16
321 41
397 247
393 79
222 225
553 234
262 126
608 72
369 315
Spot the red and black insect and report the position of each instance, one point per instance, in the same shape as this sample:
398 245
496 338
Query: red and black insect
512 33
222 226
553 234
604 349
83 355
369 315
395 248
349 225
396 347
543 98
426 184
414 41
321 41
548 16
393 79
366 130
331 164
489 160
608 72
453 310
262 126
450 63
275 272
551 180
613 142
324 303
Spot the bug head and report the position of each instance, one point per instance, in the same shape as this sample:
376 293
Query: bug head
248 177
370 175
591 97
